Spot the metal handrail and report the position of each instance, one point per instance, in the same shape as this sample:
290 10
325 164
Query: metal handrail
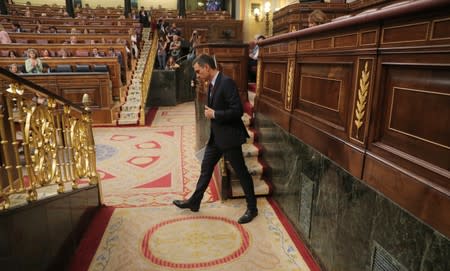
46 142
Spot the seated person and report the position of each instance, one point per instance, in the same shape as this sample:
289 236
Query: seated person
14 68
46 53
317 17
175 47
173 31
4 36
95 52
253 59
33 63
171 64
12 54
62 53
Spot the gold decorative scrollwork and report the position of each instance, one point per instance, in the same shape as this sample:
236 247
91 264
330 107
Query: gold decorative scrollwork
41 139
362 98
80 148
290 84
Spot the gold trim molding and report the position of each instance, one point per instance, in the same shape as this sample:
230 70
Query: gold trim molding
290 85
361 102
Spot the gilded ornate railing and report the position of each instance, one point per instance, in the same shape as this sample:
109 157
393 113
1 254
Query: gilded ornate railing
147 75
47 145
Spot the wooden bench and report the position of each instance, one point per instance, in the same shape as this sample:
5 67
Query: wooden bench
72 86
91 28
68 21
82 50
61 38
111 62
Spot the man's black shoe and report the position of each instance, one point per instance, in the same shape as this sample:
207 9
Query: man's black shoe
248 216
184 204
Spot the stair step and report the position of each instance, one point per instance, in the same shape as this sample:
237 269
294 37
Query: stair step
250 150
261 188
127 121
255 168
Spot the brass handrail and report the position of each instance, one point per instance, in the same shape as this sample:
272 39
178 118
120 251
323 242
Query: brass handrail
147 76
46 142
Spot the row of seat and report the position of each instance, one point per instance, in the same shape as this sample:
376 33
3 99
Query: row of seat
81 68
75 68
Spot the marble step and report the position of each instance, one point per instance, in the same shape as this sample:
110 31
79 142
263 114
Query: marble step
266 134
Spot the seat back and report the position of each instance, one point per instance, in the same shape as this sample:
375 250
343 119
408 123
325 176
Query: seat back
100 68
82 68
63 68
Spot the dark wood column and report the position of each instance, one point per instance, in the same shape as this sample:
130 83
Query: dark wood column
3 8
233 9
127 9
181 6
69 8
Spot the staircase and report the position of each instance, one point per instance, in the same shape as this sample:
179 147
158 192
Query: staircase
131 109
252 155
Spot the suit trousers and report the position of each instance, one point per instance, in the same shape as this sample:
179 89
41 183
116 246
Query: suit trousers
236 159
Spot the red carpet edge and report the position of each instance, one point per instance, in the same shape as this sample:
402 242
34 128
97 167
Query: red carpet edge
91 240
304 251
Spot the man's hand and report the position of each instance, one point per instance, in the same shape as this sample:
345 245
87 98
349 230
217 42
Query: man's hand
209 112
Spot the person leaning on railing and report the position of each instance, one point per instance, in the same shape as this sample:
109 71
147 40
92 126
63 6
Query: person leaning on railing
317 17
4 36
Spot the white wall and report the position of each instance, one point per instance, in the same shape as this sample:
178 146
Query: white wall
169 4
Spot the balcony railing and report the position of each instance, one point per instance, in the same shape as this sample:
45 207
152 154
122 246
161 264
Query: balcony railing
46 142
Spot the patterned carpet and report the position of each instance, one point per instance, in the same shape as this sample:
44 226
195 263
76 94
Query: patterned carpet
145 239
148 167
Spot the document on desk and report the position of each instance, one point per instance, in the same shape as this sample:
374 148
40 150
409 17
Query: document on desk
200 153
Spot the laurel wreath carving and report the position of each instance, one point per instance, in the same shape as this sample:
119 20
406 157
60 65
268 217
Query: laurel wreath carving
362 97
290 84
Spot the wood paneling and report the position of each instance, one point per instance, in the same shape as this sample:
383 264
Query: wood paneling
72 86
323 93
372 92
232 59
273 85
111 62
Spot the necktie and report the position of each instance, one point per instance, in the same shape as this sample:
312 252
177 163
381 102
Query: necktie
210 91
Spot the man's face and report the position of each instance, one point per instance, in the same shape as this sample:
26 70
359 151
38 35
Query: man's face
201 72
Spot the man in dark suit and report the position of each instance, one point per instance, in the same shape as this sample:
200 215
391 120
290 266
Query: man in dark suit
144 18
227 135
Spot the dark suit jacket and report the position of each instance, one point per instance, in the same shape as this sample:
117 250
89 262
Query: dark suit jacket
227 128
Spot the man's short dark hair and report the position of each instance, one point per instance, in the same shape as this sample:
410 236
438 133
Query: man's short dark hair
203 59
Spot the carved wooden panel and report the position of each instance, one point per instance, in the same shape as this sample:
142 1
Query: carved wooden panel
369 37
323 93
233 70
326 43
440 29
274 78
405 33
415 118
281 48
361 101
232 58
346 41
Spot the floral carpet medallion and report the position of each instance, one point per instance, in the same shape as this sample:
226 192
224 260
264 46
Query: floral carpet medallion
173 239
